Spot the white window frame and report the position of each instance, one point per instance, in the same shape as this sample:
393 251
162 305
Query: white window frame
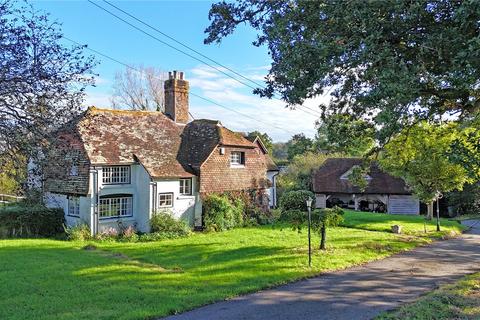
186 186
236 159
74 170
121 205
116 175
168 198
73 206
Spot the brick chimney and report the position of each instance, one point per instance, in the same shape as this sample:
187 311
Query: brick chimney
176 97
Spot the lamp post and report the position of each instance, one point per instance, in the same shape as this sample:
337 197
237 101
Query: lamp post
439 196
309 207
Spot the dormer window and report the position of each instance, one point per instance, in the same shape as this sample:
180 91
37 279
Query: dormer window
237 158
116 175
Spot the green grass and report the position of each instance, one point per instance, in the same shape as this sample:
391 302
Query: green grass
472 216
411 224
458 301
44 279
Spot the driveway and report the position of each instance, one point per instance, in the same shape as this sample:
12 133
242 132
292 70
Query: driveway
360 292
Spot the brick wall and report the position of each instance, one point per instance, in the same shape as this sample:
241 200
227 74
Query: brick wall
216 174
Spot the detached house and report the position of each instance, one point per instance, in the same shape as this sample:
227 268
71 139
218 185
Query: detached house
114 166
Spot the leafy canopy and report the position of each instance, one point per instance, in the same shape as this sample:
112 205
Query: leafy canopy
346 134
389 61
267 141
422 154
297 145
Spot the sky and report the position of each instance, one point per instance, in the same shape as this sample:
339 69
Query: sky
185 21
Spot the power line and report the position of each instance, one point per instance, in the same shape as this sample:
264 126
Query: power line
187 54
192 93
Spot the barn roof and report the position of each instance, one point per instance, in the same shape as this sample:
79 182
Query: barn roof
328 178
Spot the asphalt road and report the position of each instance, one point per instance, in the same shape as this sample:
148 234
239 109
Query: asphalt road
356 293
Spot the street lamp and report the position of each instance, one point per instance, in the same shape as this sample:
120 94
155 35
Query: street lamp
309 207
439 196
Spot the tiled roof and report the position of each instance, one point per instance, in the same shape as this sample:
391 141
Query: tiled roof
327 179
164 148
118 136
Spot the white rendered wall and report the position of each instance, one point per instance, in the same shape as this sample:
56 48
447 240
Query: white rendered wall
183 206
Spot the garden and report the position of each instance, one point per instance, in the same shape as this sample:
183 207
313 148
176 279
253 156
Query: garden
118 277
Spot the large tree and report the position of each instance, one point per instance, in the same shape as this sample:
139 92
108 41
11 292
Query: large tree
391 61
266 140
346 134
421 155
139 88
298 145
42 81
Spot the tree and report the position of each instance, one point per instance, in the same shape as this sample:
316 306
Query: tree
346 134
267 141
139 89
279 151
42 82
324 218
298 144
421 156
390 61
298 175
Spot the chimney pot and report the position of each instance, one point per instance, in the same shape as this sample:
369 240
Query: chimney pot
176 97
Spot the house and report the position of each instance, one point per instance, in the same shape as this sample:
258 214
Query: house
117 166
384 192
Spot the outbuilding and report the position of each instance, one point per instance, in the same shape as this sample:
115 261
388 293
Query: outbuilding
384 193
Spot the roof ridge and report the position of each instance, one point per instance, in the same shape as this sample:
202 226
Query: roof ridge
94 109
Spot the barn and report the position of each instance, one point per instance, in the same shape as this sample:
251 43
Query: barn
384 192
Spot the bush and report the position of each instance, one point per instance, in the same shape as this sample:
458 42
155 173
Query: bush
80 232
296 200
164 222
219 214
30 221
108 234
128 234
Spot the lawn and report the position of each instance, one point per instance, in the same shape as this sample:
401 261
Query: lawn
411 224
44 279
457 301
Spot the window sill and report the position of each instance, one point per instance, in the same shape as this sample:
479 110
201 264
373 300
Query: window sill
126 218
237 166
72 216
185 196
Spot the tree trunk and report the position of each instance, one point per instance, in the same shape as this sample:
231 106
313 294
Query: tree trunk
430 211
323 238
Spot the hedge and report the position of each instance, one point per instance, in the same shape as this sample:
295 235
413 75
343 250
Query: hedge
30 221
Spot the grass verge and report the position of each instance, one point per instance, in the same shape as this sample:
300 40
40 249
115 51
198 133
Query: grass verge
457 301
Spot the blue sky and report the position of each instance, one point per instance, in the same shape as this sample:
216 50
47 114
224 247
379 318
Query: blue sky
185 21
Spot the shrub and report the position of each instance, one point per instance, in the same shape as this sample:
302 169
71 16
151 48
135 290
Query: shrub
294 217
108 234
296 200
30 221
129 234
79 232
164 222
219 214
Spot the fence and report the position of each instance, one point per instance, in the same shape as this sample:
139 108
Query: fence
8 198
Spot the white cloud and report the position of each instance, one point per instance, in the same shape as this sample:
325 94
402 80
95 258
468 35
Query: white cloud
270 115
